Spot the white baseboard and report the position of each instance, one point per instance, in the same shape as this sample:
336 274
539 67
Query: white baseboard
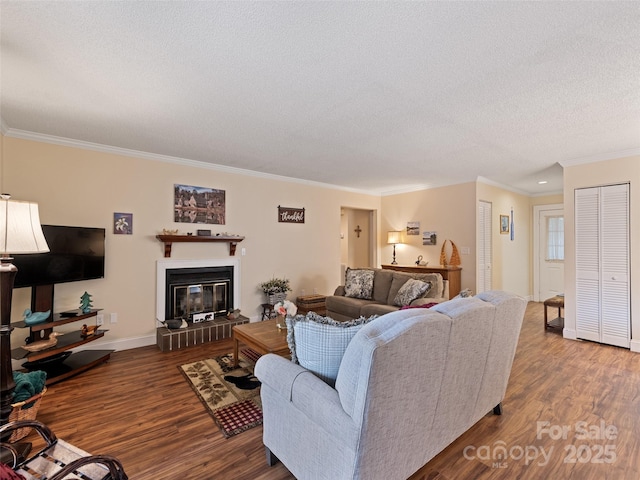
120 344
570 334
635 345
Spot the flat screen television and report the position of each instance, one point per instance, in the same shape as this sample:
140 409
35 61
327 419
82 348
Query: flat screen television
76 253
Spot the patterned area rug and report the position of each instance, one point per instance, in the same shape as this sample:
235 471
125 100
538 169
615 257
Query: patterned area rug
230 395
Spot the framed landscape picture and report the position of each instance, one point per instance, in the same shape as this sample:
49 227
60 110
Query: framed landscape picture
198 205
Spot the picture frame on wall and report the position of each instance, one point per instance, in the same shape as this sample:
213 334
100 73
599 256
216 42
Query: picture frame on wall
193 204
413 228
429 238
504 224
123 223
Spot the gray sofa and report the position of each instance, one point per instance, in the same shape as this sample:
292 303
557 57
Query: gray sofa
409 383
386 284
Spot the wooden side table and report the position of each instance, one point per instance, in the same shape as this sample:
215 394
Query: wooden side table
554 302
312 303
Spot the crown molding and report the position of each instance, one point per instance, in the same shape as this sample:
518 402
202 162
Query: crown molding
98 147
600 157
493 183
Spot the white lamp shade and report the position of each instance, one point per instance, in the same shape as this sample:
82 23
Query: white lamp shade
20 230
394 237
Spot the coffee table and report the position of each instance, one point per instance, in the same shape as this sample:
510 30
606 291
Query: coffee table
263 337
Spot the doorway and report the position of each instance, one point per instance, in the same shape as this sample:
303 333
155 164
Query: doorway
548 251
357 236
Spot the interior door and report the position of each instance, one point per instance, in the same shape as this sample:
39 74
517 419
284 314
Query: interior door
550 251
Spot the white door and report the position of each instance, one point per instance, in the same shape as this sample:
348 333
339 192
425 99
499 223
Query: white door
602 264
615 273
483 282
549 251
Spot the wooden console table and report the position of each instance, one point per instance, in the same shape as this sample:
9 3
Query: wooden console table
452 274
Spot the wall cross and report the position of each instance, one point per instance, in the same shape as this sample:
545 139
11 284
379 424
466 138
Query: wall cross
358 230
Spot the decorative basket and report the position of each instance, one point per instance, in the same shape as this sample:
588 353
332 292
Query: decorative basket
19 412
277 297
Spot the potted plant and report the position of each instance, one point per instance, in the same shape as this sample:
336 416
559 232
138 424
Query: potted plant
276 289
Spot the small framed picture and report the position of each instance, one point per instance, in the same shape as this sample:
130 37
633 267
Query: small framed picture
123 223
429 238
504 224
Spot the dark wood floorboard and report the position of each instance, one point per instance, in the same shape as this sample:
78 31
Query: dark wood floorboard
139 408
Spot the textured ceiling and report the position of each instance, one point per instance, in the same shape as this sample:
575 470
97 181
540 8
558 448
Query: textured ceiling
373 96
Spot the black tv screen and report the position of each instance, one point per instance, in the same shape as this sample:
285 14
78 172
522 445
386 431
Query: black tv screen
76 253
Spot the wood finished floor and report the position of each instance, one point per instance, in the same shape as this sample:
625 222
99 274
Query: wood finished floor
139 408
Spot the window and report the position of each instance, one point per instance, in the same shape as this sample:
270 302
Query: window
555 239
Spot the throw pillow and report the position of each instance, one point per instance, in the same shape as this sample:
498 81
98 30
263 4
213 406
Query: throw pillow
318 343
359 283
411 290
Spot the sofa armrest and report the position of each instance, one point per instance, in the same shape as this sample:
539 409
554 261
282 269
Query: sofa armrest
279 373
298 387
340 291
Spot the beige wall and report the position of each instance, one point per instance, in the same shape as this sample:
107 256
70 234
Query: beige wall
74 186
592 175
511 258
448 211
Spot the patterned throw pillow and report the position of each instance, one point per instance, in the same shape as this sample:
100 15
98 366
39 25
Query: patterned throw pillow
359 283
318 343
410 291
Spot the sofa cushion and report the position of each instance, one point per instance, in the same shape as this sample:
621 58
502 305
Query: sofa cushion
359 283
318 343
381 284
410 291
436 281
399 279
377 309
347 306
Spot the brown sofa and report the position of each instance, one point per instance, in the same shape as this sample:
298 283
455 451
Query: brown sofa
386 284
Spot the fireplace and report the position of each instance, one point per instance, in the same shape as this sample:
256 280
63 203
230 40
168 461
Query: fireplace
197 290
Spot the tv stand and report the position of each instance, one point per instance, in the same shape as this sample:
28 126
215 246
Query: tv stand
57 361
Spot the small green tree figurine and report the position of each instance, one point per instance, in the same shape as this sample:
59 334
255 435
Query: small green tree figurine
85 303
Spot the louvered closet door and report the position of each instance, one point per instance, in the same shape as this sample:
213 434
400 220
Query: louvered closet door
602 264
615 309
484 247
587 204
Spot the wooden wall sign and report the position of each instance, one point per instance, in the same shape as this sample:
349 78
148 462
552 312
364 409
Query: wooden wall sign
290 215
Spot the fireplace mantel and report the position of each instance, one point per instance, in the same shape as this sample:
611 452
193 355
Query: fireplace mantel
168 241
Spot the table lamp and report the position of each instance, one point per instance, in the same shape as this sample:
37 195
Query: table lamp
20 232
394 237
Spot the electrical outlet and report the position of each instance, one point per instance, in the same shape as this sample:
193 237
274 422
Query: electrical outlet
465 250
243 251
315 291
113 318
100 319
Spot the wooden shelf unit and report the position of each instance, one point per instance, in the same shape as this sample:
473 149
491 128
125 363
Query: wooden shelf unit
452 274
169 240
42 300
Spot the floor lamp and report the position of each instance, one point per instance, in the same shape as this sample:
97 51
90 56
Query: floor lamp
394 237
20 232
